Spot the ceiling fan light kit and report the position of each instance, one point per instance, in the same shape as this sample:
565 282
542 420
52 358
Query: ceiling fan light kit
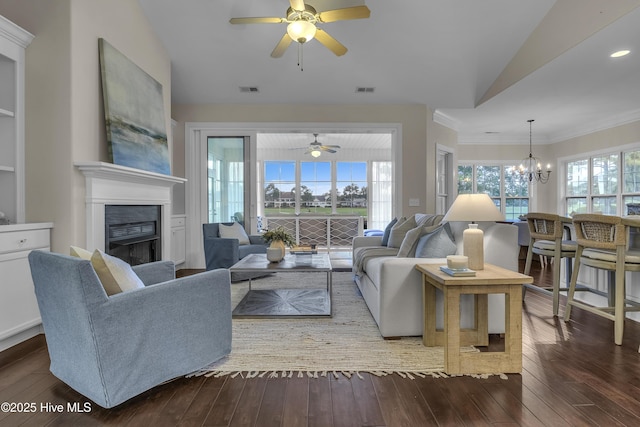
301 23
316 148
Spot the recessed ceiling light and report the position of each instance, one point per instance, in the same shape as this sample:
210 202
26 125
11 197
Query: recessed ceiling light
620 53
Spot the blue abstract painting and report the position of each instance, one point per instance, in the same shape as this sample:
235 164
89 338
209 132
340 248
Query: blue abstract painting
134 113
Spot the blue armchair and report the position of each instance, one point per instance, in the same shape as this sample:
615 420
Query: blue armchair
224 252
111 349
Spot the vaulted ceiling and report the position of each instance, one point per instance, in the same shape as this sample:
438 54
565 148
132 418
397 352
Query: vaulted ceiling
484 67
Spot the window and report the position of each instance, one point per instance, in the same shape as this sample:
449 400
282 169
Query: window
225 179
351 187
324 188
501 183
593 184
315 187
279 186
380 196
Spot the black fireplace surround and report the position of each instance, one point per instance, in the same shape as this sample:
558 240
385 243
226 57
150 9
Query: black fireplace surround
133 233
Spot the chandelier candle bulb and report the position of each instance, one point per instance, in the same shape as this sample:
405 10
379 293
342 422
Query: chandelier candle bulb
457 262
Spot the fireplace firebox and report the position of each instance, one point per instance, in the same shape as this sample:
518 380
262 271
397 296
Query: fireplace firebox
133 233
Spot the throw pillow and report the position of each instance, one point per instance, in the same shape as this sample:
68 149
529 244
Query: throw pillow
437 244
234 231
398 231
410 242
116 275
80 253
387 230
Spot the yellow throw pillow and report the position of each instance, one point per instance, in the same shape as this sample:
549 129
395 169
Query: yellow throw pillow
116 275
80 253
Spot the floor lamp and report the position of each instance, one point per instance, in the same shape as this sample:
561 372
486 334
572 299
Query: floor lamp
473 208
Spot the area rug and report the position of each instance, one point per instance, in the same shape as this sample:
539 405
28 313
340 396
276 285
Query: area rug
347 344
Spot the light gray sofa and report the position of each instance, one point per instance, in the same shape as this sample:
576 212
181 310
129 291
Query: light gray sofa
392 287
111 348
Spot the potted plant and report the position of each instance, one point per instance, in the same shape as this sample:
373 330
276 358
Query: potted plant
277 239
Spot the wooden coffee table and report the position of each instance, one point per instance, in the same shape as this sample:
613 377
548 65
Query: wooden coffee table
303 301
491 280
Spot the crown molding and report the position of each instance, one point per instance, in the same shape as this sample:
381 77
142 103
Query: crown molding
553 138
446 120
16 34
597 126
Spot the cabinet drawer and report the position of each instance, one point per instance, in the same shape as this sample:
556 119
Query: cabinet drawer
13 241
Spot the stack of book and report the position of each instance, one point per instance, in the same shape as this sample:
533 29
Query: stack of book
461 272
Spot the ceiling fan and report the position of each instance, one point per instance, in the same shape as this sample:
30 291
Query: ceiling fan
315 148
302 19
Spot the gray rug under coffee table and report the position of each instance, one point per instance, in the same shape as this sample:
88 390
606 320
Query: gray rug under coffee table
305 301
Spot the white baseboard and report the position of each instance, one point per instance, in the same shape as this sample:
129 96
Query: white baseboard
20 337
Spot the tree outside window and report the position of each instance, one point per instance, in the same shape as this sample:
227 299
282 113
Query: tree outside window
508 192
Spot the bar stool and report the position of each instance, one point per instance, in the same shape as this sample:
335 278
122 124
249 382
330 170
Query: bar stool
546 231
602 244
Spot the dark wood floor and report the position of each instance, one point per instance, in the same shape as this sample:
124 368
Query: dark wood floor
573 375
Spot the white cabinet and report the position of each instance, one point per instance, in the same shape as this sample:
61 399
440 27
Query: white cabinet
178 239
13 41
19 314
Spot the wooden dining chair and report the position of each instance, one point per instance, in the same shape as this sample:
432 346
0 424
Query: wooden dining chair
602 244
546 231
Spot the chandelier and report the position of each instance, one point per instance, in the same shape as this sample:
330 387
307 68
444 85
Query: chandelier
530 168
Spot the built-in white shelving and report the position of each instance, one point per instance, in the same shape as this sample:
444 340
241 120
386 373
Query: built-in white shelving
13 42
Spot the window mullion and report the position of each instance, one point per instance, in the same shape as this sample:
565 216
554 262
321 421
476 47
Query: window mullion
298 189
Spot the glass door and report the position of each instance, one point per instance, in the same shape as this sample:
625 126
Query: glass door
226 179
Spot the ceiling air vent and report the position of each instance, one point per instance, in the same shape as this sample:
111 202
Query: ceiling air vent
365 89
249 89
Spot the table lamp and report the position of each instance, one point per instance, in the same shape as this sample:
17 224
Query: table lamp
473 207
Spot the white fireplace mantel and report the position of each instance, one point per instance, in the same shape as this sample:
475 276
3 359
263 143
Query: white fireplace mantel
109 184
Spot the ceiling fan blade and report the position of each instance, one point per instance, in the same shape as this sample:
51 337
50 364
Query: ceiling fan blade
328 150
297 4
357 12
282 46
331 146
272 20
330 43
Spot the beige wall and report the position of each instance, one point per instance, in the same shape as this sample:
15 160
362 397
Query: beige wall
64 110
416 158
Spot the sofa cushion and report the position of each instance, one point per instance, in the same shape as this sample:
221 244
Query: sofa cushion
234 231
387 231
428 219
399 230
115 275
410 242
437 244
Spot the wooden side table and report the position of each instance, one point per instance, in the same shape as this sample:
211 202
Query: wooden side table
491 280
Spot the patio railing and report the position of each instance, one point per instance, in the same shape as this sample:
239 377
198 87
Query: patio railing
330 232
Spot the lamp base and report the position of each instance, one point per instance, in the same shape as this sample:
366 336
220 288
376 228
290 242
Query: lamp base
473 246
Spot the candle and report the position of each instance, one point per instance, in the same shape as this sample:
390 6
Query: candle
457 262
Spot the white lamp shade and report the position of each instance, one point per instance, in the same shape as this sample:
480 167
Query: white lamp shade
316 153
301 31
473 208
